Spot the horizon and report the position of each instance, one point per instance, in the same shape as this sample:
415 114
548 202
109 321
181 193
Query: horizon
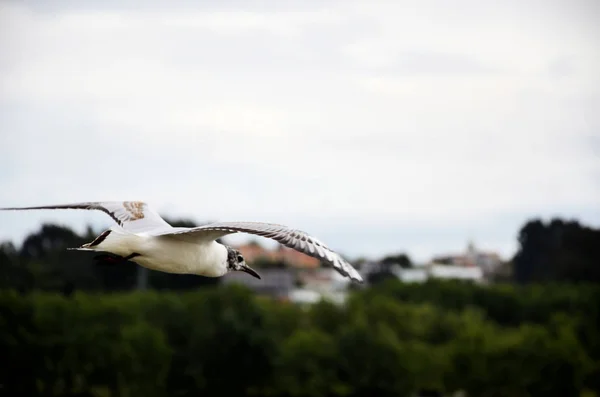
242 238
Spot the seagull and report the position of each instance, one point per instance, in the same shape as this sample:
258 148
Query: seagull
142 236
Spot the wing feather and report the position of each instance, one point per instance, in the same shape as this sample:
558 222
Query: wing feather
292 238
133 216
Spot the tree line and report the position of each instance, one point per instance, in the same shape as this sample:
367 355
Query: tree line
71 327
393 340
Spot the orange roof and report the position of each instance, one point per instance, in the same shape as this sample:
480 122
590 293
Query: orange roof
298 259
253 251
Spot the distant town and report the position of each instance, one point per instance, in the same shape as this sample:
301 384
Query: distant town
293 276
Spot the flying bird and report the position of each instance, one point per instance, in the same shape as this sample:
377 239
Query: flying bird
142 236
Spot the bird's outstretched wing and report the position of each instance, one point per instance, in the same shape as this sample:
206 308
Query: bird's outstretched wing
133 216
296 239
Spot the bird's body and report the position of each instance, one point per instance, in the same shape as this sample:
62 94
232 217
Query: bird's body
142 236
157 253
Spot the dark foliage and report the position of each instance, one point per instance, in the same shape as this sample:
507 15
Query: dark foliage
557 251
72 327
388 341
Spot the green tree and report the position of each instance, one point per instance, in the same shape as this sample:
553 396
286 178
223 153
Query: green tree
308 366
557 251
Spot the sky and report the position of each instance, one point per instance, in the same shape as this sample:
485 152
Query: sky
379 127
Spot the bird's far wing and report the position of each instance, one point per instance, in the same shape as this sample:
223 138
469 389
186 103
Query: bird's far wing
296 239
133 216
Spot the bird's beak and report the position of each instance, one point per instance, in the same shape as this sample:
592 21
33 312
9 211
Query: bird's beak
249 270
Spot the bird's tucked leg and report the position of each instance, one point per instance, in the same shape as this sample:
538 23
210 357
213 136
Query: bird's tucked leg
114 259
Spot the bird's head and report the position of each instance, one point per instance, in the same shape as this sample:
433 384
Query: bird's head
235 262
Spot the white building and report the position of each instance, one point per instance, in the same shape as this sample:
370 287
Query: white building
413 275
440 271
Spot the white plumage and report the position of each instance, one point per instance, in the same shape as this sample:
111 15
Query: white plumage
142 236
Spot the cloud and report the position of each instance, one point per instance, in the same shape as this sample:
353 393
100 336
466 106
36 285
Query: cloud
383 118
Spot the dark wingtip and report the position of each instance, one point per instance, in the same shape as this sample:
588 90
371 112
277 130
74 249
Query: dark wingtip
98 239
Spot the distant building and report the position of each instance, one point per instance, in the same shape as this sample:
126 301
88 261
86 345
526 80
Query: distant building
326 283
292 258
413 275
432 270
274 282
298 286
487 262
442 271
254 251
297 259
324 279
302 280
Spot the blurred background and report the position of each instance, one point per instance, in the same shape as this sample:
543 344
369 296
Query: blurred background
450 151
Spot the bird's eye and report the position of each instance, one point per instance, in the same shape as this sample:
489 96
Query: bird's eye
240 258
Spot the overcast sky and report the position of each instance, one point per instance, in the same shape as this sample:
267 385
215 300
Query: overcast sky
377 126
